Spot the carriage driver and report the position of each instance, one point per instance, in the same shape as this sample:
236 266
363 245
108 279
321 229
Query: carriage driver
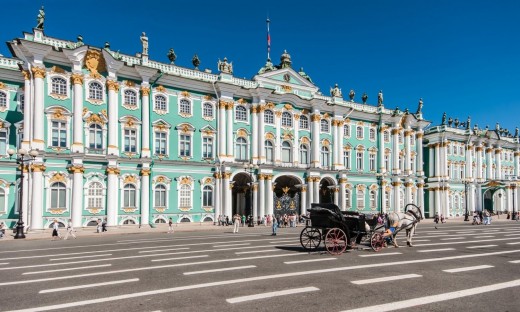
389 232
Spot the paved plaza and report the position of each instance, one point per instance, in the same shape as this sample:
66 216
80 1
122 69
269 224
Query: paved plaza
208 268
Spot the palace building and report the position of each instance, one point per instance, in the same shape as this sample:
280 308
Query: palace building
136 141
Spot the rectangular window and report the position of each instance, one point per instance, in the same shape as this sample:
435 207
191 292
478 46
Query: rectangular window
185 145
160 143
130 138
207 147
372 162
59 134
387 162
360 199
346 159
359 161
3 142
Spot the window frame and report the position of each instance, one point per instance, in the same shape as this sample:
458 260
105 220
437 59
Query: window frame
241 113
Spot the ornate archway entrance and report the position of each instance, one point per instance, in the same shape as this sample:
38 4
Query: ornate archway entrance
241 194
327 191
286 196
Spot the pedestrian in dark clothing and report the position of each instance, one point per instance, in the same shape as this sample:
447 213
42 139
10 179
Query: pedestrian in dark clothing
104 225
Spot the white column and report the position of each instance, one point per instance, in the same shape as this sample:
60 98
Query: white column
336 143
420 159
489 164
145 196
381 149
296 138
145 113
229 135
303 200
78 132
342 183
315 136
260 132
383 197
310 191
112 195
431 162
437 209
316 182
278 138
254 205
77 195
254 133
341 137
420 196
222 129
269 194
261 193
227 195
395 151
408 192
444 160
38 115
397 196
25 199
37 197
408 153
336 195
113 131
478 151
446 193
217 197
437 160
517 153
27 116
469 162
498 161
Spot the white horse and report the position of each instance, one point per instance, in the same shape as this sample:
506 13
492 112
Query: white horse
406 221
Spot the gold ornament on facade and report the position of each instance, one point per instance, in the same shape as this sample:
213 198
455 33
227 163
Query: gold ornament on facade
278 114
113 85
130 179
130 123
270 105
347 147
288 106
56 211
58 70
269 176
113 170
395 131
145 172
254 109
419 135
129 83
408 184
145 91
315 117
286 88
77 79
230 105
373 187
241 133
296 117
396 183
58 114
94 118
208 97
304 189
58 177
160 179
26 75
104 113
269 136
325 143
286 189
160 88
85 111
498 151
38 168
305 140
241 101
38 72
76 169
226 175
95 62
2 86
207 181
185 181
342 180
185 94
361 187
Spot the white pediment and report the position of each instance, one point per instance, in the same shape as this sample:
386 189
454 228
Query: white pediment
284 76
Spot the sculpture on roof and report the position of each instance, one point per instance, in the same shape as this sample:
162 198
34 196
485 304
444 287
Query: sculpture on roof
497 127
304 75
40 19
468 123
396 111
336 91
267 67
80 41
380 98
171 56
419 108
225 67
450 122
516 132
351 95
195 61
144 41
285 60
364 98
107 46
443 122
456 122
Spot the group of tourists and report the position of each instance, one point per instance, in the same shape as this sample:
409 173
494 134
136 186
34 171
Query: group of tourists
285 220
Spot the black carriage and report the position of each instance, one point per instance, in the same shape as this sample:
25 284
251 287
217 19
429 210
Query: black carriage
339 230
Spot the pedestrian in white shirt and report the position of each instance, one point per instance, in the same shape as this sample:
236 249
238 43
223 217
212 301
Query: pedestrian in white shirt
70 230
55 230
236 223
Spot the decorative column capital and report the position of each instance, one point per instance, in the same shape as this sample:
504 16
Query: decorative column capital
113 85
304 188
226 175
76 169
269 177
77 79
26 75
145 91
217 175
419 135
395 131
145 172
315 117
342 180
408 184
113 170
38 167
489 150
38 72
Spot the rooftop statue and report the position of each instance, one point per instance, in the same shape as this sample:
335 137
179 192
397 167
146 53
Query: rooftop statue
144 41
351 95
80 41
107 46
195 61
443 122
468 123
336 91
364 98
304 75
267 67
419 108
285 60
396 111
406 111
516 132
171 56
225 67
456 123
497 126
40 19
380 98
450 122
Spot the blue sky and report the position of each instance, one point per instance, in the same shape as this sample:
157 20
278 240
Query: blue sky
462 57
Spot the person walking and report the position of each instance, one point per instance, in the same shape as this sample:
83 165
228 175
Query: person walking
236 222
170 226
98 228
55 230
2 230
275 226
104 225
70 230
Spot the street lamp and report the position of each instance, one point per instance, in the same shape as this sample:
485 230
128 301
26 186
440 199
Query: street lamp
20 160
466 214
250 168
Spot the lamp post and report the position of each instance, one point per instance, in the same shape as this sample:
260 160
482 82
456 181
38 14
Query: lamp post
250 168
466 214
21 160
513 188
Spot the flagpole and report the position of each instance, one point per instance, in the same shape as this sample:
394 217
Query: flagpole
268 39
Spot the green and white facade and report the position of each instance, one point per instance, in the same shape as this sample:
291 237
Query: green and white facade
138 141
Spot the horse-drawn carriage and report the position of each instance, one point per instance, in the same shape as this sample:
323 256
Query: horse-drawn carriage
340 230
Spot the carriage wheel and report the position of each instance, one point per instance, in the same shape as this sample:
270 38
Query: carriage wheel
310 238
377 241
336 241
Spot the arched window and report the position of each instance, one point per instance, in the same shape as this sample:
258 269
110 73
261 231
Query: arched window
58 192
324 125
59 86
359 132
95 91
360 199
304 122
286 119
241 149
95 136
372 134
160 103
348 199
346 130
130 98
207 110
3 99
268 116
373 204
207 196
325 156
286 152
241 113
184 107
269 151
185 196
304 154
95 196
129 196
128 222
456 202
160 196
